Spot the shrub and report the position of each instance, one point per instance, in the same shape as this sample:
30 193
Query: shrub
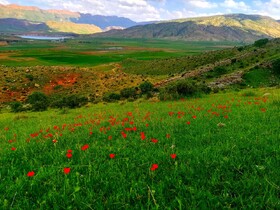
71 101
38 101
16 106
128 93
110 97
260 42
276 66
146 87
219 70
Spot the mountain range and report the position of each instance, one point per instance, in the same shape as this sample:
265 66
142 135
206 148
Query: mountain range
233 27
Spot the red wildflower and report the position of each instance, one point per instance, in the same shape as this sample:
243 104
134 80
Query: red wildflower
263 109
112 156
109 137
67 170
123 134
69 151
147 125
168 135
154 140
6 129
142 135
13 148
54 141
188 122
90 133
85 147
68 155
30 173
194 117
154 167
226 117
173 156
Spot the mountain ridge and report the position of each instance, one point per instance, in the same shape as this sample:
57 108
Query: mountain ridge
232 27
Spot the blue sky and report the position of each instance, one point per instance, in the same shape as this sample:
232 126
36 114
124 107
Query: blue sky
146 10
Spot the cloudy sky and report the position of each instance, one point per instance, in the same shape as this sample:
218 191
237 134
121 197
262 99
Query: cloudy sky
146 10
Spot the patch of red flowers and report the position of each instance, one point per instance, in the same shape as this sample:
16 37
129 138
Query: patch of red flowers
30 173
154 167
85 147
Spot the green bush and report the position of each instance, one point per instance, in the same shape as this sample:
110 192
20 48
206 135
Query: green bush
146 87
16 107
111 97
261 42
128 93
39 101
71 101
276 66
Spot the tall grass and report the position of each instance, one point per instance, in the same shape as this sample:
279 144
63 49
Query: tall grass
226 146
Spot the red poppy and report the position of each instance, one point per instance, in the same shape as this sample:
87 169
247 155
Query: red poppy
123 134
142 135
188 122
226 117
154 167
85 147
54 141
263 109
69 151
168 135
67 170
154 140
194 117
109 137
112 156
68 155
13 148
6 129
173 156
90 133
30 173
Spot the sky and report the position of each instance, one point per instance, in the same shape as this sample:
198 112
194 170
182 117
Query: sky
149 10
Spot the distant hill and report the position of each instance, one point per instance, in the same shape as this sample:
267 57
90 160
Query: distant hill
11 25
236 27
40 15
14 25
104 21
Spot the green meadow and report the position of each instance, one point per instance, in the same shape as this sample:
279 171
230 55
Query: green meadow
87 51
219 151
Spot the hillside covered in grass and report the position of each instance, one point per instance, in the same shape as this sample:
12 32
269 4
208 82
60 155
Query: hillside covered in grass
220 151
237 27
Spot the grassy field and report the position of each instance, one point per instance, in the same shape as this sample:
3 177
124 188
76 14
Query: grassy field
86 51
219 151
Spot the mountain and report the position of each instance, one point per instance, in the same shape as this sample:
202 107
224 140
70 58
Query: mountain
40 15
35 14
235 27
11 25
104 21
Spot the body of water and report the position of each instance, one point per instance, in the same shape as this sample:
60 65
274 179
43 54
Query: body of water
43 37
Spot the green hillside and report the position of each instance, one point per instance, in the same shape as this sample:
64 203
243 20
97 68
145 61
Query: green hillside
238 27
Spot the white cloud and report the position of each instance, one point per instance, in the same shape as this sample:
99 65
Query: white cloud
269 8
203 4
231 4
139 10
4 2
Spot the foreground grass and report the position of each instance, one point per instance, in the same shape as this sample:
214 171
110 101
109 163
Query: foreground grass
226 146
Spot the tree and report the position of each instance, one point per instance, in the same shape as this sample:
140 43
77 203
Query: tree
146 87
39 101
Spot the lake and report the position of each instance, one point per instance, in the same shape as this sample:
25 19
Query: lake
43 37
